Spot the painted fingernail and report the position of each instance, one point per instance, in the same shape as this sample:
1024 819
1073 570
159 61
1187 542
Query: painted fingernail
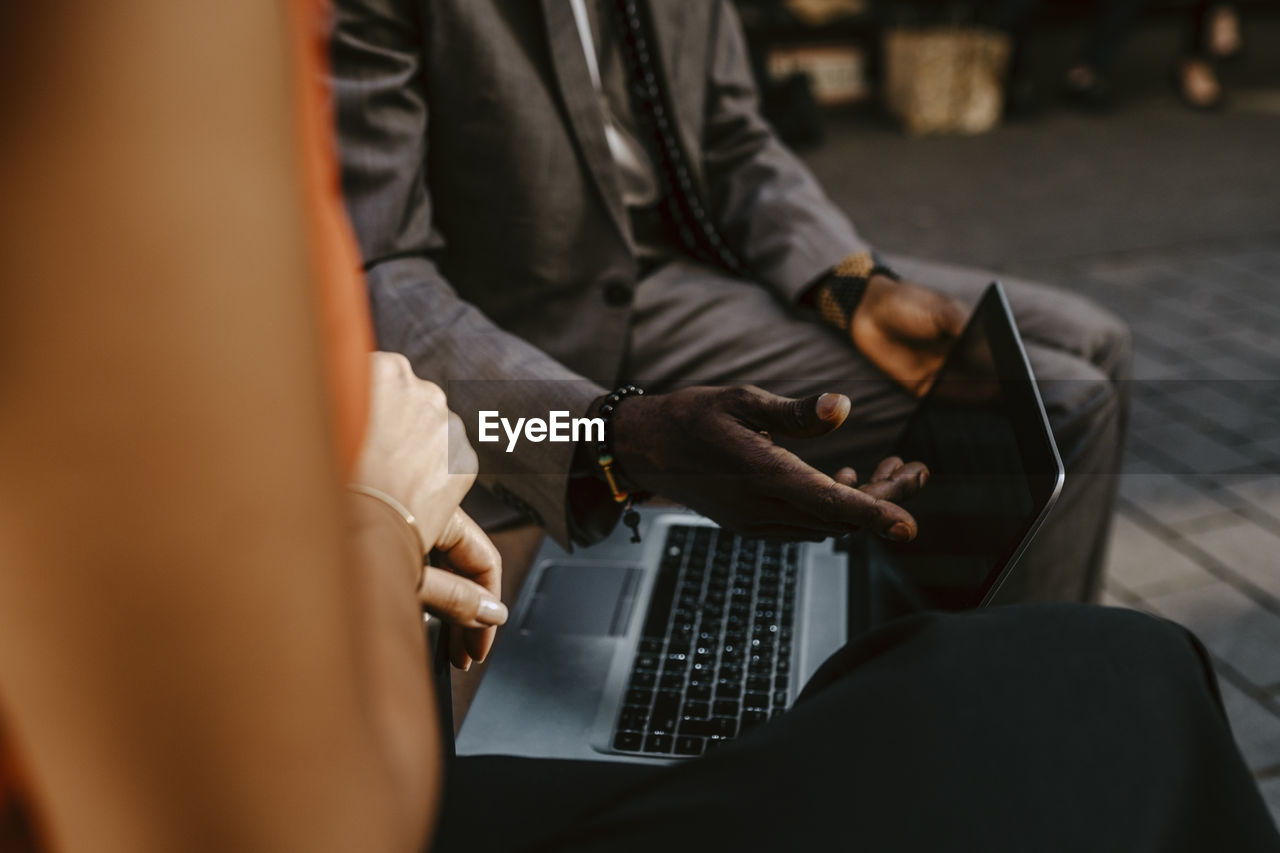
491 612
924 478
900 532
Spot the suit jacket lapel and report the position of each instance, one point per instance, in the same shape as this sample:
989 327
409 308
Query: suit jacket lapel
669 29
581 103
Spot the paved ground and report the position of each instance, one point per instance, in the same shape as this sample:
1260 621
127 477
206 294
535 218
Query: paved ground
1173 220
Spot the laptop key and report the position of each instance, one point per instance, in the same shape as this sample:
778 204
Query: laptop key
689 745
660 605
658 743
643 679
755 700
647 661
713 743
632 718
751 719
718 726
638 696
696 710
628 741
727 708
726 689
666 710
728 726
671 680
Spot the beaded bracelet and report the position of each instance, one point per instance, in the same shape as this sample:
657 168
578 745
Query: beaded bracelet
604 458
844 286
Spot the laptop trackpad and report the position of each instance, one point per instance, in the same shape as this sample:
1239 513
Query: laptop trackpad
592 599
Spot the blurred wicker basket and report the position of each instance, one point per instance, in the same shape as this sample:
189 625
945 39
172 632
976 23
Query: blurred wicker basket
945 79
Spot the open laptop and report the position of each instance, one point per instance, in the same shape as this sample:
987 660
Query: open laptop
668 648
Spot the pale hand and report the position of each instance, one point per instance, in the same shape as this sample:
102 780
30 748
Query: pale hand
416 451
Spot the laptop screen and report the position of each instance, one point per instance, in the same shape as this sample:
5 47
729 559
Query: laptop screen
994 470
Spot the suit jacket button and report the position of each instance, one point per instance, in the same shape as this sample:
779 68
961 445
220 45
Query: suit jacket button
617 294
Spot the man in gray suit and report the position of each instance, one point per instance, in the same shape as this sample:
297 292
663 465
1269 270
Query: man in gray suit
556 195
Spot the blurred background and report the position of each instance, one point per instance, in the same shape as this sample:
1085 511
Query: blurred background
966 132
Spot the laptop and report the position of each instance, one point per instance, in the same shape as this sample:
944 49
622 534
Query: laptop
669 648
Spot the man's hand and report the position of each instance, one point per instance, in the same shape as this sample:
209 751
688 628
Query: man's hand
906 330
711 449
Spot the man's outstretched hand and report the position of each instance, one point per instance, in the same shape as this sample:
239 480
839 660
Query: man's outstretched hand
906 330
712 450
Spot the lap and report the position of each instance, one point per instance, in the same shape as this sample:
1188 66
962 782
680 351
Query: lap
695 322
1048 317
1053 727
696 325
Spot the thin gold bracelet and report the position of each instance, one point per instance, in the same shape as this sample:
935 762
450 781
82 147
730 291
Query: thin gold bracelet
399 509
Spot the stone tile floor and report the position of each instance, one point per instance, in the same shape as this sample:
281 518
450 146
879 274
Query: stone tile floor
1197 537
1173 221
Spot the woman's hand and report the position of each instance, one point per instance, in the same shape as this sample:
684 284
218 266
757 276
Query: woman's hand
466 592
416 451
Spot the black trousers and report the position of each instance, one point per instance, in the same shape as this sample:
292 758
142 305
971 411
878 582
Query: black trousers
1029 728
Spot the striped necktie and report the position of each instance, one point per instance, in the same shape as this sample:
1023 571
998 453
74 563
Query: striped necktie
681 205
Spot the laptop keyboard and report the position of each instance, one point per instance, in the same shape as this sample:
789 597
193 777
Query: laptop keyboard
714 658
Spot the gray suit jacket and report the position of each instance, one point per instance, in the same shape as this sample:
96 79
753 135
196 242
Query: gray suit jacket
486 202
